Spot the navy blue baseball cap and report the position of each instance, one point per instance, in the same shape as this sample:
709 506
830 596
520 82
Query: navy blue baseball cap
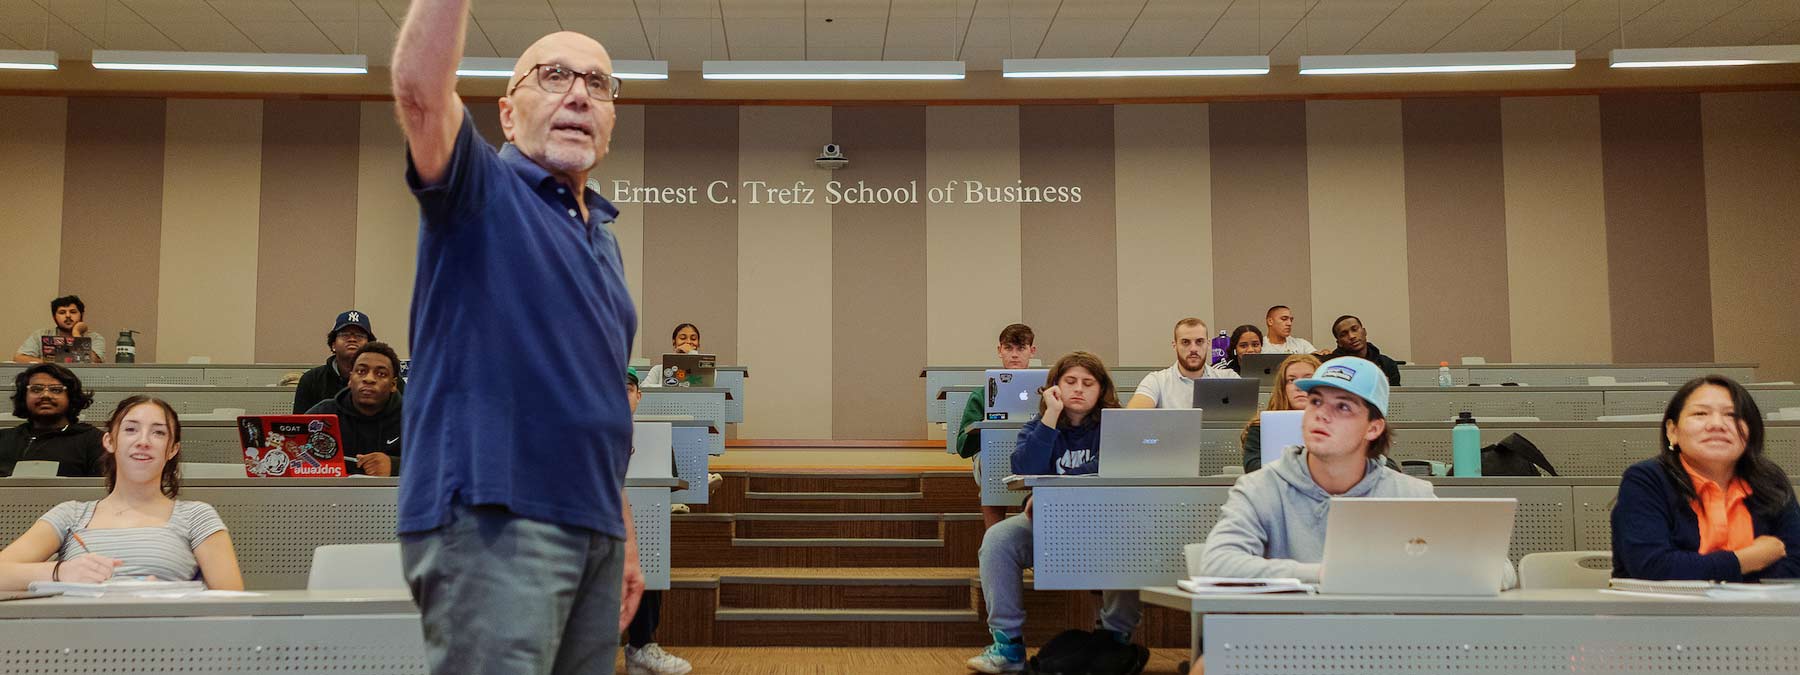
352 318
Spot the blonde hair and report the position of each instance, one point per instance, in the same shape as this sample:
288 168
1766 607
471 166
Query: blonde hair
1278 399
1189 322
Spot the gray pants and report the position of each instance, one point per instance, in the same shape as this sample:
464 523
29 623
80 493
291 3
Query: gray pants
1005 553
499 593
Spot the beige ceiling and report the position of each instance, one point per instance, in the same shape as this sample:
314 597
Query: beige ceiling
979 32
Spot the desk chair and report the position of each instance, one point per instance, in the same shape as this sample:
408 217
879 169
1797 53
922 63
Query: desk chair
355 567
1565 569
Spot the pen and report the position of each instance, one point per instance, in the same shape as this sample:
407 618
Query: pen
79 542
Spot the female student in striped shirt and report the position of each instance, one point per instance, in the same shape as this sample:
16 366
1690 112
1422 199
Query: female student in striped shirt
139 528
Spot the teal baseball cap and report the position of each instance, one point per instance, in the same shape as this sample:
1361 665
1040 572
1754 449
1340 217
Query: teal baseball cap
631 375
1357 376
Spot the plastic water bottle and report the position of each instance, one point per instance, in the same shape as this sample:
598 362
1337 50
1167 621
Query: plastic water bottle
1220 345
1465 446
1444 374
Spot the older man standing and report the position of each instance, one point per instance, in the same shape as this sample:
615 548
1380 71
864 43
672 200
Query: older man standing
515 532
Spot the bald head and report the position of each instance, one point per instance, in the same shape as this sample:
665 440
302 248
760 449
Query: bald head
567 132
567 48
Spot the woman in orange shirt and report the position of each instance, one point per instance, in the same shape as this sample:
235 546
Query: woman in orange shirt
1711 505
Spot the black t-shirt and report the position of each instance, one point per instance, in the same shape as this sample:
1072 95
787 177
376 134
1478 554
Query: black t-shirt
76 447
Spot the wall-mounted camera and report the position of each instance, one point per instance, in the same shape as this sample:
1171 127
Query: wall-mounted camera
831 157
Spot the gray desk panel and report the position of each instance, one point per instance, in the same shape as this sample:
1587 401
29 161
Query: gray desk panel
707 404
955 398
1652 400
1441 405
137 375
1543 522
1118 538
1593 516
998 439
390 644
199 400
1534 602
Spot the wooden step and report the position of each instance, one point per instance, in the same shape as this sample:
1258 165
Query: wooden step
851 492
831 482
848 589
711 540
815 525
849 628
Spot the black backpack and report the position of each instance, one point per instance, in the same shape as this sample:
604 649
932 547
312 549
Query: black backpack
1514 456
1088 652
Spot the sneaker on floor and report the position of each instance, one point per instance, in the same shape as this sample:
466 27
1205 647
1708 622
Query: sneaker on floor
677 508
713 480
1006 655
652 660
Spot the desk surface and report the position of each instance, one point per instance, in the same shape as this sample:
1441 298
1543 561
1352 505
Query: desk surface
268 603
1023 482
1517 602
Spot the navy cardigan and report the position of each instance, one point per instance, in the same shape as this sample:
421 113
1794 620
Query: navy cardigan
1657 536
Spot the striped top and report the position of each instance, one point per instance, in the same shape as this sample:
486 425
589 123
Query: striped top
166 552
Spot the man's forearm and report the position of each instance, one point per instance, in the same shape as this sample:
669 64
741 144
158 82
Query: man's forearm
426 52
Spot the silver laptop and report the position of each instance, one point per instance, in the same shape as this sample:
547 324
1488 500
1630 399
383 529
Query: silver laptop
1261 367
1226 399
1012 395
1150 443
1380 546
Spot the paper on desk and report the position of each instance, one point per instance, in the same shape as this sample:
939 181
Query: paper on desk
200 594
1244 586
124 587
1705 589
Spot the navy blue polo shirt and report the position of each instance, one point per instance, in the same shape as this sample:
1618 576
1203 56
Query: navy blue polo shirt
521 324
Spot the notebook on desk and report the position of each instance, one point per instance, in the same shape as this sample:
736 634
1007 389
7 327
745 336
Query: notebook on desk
300 446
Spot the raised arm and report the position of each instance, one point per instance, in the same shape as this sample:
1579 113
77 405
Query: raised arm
424 77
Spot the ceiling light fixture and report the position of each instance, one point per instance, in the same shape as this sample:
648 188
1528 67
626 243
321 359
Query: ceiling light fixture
229 62
1465 62
20 59
1177 66
1686 57
832 70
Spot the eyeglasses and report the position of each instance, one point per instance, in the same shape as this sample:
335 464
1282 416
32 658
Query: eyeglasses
556 79
41 389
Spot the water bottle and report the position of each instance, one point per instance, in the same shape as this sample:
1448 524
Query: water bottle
1444 374
1465 446
126 352
1220 345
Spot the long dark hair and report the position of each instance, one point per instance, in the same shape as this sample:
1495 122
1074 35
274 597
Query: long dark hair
1109 395
79 399
1770 490
171 473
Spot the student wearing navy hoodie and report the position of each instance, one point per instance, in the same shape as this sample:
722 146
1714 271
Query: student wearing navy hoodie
1064 440
1710 506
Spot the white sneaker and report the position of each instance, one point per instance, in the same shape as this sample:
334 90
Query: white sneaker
713 480
652 660
676 508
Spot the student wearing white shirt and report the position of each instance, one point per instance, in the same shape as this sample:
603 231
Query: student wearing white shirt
1281 339
1173 387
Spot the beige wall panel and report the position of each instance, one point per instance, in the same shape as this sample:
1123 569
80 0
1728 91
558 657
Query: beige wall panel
1556 230
31 159
1259 207
212 191
784 274
306 249
1069 250
387 228
1455 231
690 250
1163 169
625 161
112 215
972 263
1356 194
1752 145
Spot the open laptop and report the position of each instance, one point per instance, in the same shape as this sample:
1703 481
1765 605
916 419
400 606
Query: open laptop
298 446
1280 429
59 349
689 370
1150 443
1261 367
1012 395
1226 398
1381 546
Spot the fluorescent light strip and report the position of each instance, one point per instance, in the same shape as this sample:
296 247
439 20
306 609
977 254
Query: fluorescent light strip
832 70
1466 62
487 66
1699 57
226 62
19 59
1184 66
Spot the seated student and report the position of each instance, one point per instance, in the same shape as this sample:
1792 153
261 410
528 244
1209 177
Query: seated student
347 336
1353 340
1246 339
68 314
1017 346
642 655
50 399
684 340
139 528
1063 440
1173 387
1711 505
1280 338
1273 522
1294 368
368 412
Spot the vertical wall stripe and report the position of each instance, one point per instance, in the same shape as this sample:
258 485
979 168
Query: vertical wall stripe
1356 194
691 250
1165 244
31 158
784 273
487 121
1070 249
211 195
112 214
972 263
1556 230
878 283
387 227
1260 216
1455 230
1656 241
1752 214
625 161
306 247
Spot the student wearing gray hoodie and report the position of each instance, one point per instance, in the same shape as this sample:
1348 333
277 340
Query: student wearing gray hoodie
1273 522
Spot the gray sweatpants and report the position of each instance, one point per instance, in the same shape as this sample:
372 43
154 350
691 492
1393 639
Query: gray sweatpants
499 593
1005 553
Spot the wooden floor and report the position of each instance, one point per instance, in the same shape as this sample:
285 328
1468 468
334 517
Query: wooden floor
836 661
